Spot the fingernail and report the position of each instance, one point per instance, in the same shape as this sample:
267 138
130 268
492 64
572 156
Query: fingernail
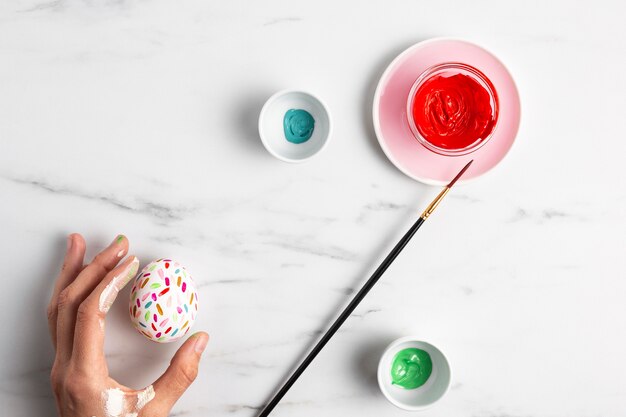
69 242
201 342
119 239
109 294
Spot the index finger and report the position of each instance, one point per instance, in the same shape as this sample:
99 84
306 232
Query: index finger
89 333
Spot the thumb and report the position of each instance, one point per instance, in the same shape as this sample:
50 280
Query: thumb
182 371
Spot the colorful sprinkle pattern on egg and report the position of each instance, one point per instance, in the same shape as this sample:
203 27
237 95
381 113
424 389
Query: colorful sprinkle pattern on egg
163 301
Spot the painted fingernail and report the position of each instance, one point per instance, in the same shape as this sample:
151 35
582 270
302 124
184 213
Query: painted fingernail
201 342
119 239
109 294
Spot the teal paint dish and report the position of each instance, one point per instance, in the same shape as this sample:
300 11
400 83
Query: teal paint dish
272 126
298 125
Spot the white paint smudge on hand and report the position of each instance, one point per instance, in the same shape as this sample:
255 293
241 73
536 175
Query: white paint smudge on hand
113 402
109 294
144 397
116 404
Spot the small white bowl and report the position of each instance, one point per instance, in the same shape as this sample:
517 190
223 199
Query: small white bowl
428 394
272 132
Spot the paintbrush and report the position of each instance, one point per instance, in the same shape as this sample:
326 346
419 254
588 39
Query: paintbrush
360 295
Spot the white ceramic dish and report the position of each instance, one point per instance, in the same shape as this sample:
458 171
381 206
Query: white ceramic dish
428 394
272 132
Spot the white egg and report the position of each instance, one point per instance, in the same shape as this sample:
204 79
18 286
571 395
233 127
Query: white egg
163 301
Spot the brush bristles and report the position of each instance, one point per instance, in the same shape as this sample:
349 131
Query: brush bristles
461 172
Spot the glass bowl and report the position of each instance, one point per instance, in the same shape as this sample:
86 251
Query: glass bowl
450 69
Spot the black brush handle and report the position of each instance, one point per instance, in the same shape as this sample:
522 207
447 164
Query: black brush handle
342 317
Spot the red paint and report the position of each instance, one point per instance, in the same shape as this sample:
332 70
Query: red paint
453 112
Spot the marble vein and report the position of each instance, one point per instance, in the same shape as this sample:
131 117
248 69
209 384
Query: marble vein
278 20
137 205
307 245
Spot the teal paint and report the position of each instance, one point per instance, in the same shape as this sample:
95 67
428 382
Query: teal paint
298 125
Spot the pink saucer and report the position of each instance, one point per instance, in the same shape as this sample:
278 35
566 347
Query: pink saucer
392 126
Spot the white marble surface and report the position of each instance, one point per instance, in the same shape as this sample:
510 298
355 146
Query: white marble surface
140 117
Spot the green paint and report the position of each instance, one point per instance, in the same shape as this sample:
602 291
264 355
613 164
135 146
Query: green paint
411 368
298 125
119 239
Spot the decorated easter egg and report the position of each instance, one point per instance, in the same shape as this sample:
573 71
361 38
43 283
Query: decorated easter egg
163 301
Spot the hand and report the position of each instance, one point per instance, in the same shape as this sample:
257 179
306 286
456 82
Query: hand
80 377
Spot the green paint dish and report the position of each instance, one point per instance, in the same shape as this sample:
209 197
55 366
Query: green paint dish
298 125
411 368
